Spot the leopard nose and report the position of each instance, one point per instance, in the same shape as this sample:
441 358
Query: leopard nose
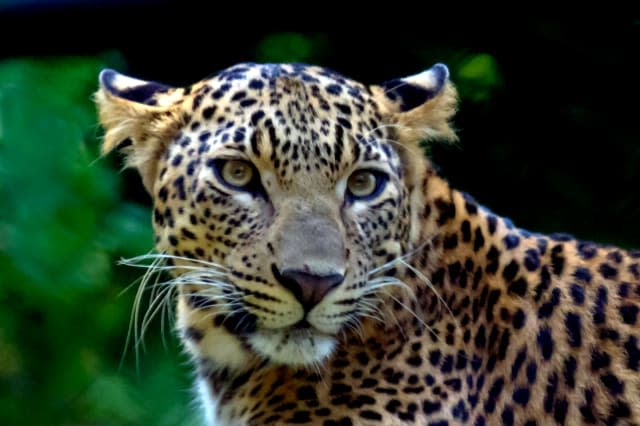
308 288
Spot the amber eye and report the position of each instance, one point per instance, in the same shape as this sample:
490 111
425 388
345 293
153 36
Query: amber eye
236 173
365 184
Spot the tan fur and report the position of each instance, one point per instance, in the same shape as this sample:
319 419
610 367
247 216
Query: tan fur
149 128
430 121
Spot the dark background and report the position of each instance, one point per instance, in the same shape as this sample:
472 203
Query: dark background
548 127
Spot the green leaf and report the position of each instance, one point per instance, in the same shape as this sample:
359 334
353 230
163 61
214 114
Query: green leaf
477 76
290 47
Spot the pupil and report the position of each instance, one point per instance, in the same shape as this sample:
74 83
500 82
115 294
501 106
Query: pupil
362 182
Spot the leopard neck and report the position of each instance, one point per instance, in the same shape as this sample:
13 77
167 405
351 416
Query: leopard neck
466 256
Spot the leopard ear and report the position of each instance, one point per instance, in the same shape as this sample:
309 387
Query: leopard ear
418 108
421 105
139 117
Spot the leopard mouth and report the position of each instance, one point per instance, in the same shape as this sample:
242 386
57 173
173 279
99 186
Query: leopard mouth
303 329
297 345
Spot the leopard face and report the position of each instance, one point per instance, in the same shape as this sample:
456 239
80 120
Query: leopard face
280 197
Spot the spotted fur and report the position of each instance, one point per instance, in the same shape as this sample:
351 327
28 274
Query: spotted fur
303 304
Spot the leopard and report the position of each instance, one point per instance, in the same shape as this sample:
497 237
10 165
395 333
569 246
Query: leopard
326 274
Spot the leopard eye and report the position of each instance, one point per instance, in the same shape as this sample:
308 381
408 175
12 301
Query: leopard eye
236 173
365 184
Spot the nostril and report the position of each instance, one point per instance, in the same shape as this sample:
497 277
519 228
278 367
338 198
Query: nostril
308 288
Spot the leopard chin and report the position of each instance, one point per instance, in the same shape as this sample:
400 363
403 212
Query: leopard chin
293 347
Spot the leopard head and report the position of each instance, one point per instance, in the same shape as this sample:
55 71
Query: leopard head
282 196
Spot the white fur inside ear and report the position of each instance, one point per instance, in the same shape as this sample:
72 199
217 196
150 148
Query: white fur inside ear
116 82
432 79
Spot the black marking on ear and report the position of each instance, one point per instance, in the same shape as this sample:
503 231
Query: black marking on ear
142 93
410 95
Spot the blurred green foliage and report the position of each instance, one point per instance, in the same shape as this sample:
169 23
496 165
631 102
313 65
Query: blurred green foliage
63 225
477 76
290 47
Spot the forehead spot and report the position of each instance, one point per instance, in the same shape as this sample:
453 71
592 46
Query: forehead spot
256 84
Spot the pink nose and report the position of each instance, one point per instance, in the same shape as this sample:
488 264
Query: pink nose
309 289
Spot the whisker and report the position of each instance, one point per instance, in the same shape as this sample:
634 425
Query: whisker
136 261
420 275
405 256
152 310
166 315
226 313
173 267
383 282
200 273
366 314
368 304
187 279
130 286
354 325
384 126
135 313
